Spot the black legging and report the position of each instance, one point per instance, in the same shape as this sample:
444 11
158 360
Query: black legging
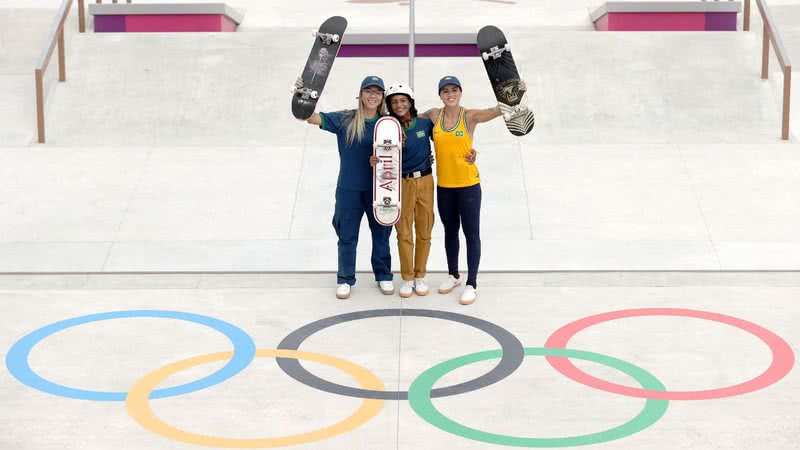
457 207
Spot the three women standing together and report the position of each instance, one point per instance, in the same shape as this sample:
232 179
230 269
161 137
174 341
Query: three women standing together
451 128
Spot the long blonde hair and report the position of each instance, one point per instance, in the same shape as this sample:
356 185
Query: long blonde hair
356 128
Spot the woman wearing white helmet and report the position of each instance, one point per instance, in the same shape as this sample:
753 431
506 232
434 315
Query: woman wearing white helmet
416 210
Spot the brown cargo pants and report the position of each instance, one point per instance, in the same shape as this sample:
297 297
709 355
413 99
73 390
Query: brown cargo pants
416 215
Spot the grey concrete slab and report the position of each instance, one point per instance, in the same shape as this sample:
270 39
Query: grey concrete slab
22 36
630 192
759 255
210 104
536 401
498 255
53 256
599 255
73 194
18 110
238 193
746 193
134 281
43 281
259 402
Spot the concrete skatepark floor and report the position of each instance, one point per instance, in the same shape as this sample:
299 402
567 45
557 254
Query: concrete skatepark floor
261 401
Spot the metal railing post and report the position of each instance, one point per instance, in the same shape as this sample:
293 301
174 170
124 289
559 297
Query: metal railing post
39 105
62 67
412 45
81 17
787 99
765 53
746 24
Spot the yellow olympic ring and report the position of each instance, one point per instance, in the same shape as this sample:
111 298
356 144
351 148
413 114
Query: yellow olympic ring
138 404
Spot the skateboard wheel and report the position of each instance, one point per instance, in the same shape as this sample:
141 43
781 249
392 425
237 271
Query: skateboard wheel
314 94
335 38
485 56
507 48
314 33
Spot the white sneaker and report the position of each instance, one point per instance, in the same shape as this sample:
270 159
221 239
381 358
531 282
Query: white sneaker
343 291
469 295
420 287
449 284
407 289
386 287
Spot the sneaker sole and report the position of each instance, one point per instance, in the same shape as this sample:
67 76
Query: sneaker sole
422 294
447 291
467 302
407 295
342 297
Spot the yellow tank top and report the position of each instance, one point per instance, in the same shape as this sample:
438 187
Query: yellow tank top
452 145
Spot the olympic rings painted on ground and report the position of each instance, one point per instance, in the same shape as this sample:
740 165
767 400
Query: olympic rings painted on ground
421 391
420 401
18 366
782 355
513 353
139 409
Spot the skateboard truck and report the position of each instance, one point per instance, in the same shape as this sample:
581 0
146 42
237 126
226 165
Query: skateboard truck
511 112
496 52
306 93
327 38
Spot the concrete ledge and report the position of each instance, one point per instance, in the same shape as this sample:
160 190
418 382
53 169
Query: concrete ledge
395 45
129 9
402 38
666 16
664 7
181 17
310 256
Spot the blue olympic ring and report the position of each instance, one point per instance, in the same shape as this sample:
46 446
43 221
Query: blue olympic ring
244 350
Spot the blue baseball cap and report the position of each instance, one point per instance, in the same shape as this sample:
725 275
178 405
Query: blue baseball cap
372 80
449 80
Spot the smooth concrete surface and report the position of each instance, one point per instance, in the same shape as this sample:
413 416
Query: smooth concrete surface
663 94
23 32
628 207
166 152
262 401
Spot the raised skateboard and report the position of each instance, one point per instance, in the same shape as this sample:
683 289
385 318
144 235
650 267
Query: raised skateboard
388 148
505 79
327 41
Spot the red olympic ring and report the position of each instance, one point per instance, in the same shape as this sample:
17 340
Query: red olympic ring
782 355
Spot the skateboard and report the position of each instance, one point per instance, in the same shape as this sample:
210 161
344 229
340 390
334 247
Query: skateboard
388 148
505 79
327 41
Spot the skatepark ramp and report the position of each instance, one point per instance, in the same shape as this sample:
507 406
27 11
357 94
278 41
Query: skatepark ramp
231 89
177 152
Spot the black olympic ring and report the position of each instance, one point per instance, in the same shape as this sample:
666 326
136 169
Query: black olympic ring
513 354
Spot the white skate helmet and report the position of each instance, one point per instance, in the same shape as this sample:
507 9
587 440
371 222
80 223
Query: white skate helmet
399 88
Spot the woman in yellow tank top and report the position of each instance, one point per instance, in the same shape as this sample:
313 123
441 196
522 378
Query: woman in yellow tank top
458 186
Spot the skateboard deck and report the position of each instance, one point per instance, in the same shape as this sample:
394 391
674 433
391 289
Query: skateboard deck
326 46
387 174
505 79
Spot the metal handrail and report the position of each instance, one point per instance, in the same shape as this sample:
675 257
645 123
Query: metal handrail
772 35
56 37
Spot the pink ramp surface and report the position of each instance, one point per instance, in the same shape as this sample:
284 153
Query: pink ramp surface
657 21
177 23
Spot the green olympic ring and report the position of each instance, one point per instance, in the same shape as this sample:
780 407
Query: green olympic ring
420 400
